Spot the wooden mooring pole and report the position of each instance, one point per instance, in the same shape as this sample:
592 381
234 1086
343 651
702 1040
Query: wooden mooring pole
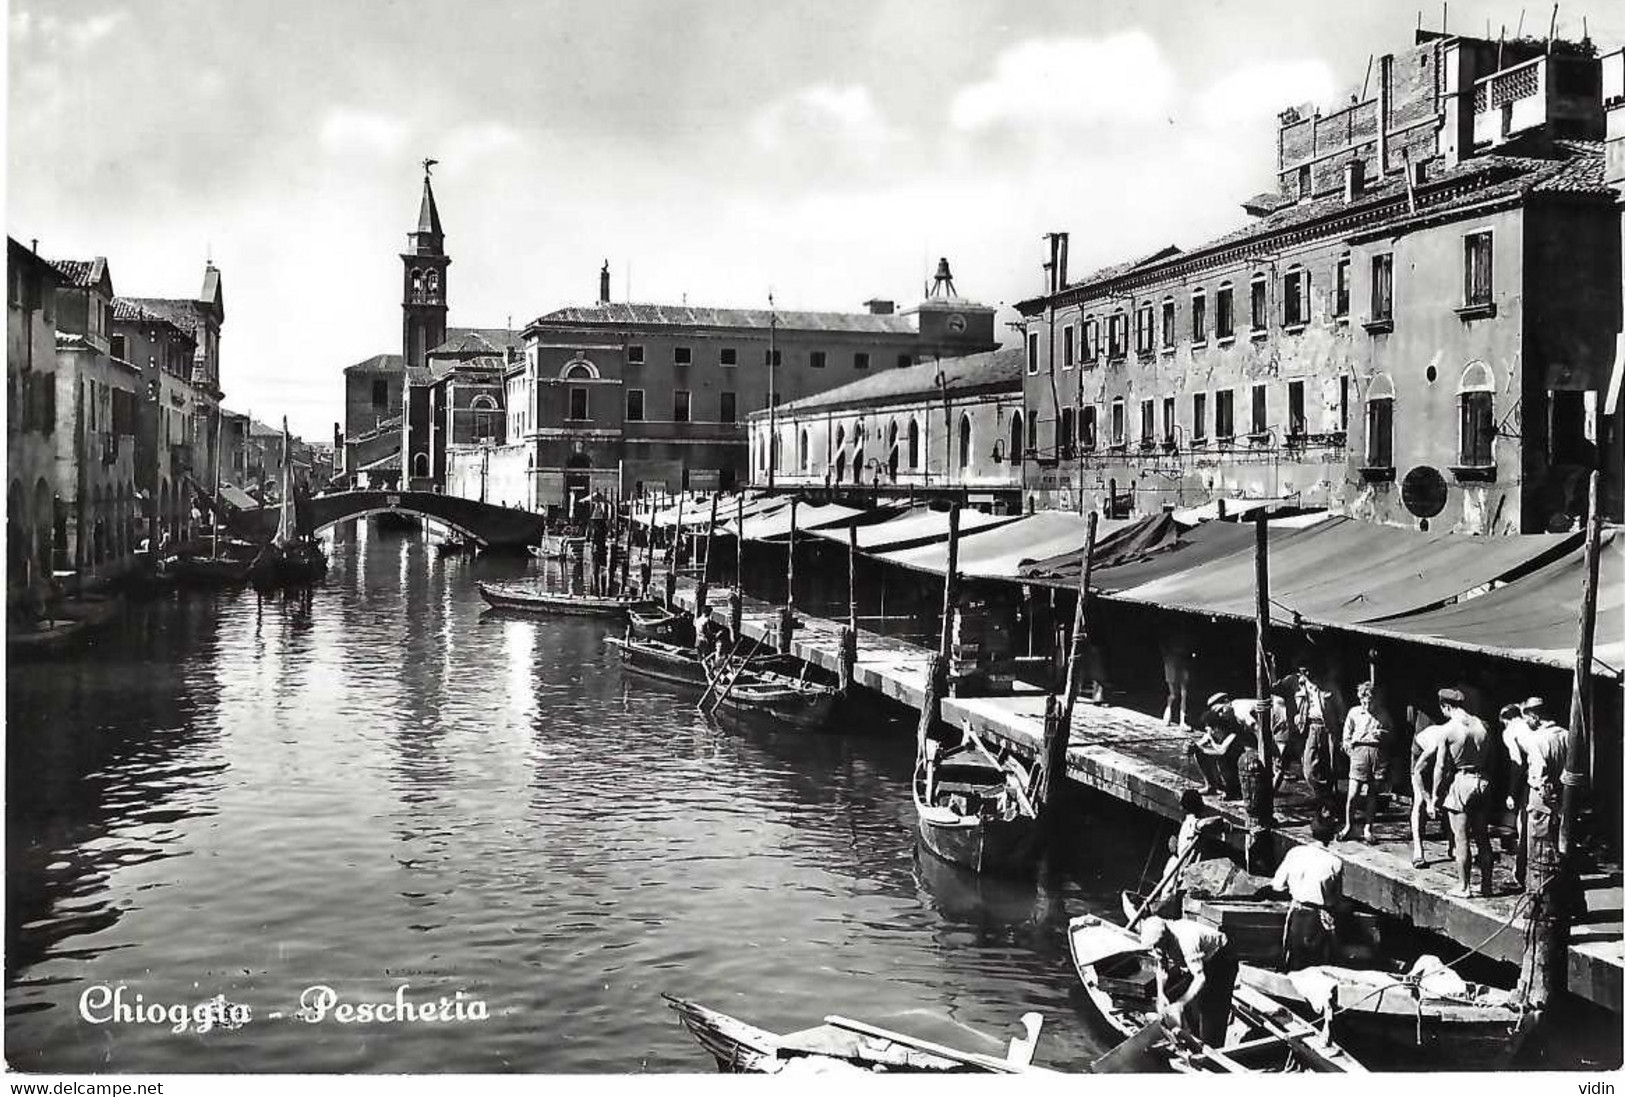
849 631
702 592
736 599
1549 827
787 613
936 681
1058 718
676 558
1258 784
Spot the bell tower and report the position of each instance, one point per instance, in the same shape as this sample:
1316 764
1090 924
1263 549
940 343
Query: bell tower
423 281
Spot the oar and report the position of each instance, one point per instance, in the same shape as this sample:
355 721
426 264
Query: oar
970 1058
1162 884
1128 1056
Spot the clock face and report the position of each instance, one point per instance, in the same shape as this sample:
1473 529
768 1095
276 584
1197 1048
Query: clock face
956 323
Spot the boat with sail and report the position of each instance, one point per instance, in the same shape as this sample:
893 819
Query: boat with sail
293 557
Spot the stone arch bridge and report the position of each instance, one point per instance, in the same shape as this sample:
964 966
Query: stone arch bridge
485 522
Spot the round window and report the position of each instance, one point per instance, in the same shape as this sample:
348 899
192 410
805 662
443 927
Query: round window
1423 491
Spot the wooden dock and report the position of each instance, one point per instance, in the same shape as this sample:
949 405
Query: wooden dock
1140 760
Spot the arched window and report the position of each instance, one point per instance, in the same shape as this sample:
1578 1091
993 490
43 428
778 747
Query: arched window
1016 438
579 371
891 450
801 456
417 284
1475 395
964 441
420 465
914 445
840 466
840 439
434 285
1068 420
1379 423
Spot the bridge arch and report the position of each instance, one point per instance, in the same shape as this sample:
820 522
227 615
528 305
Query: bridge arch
485 522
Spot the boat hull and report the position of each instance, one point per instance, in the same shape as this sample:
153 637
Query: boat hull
206 571
661 661
995 846
49 639
531 600
805 708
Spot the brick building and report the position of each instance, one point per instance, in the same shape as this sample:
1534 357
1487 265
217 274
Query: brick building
627 398
1417 327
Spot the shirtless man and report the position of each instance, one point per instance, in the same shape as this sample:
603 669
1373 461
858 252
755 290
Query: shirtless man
1424 760
1460 789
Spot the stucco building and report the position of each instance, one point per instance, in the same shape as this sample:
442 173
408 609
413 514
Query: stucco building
31 284
1416 328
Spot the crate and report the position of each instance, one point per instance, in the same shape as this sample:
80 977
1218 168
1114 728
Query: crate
1253 927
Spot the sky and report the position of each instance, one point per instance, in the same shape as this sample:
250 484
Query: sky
823 151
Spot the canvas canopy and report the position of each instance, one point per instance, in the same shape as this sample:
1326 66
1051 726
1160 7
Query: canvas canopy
1534 618
999 553
916 527
1233 508
1344 572
237 497
774 525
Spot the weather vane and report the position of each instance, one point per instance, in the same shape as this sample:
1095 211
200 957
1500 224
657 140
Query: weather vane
427 164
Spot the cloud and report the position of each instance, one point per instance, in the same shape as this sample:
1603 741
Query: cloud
467 144
347 129
75 35
1260 92
1073 83
822 114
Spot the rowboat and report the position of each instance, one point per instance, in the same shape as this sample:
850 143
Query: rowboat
43 638
974 810
208 571
525 597
1428 1016
842 1046
1119 978
786 698
653 621
660 660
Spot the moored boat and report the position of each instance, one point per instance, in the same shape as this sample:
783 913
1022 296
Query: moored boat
786 698
1119 977
208 571
45 638
1426 1017
660 660
526 597
974 810
653 621
841 1046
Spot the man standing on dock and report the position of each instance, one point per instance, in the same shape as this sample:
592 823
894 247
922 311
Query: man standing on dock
1459 788
1545 749
1365 738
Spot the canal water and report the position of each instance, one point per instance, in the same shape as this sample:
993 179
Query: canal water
392 786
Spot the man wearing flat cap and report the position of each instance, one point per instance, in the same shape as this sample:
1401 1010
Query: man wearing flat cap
1460 788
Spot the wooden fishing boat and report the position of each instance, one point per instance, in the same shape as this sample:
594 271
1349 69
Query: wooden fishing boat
786 698
653 621
660 660
842 1046
1428 1017
44 638
527 597
974 810
1119 978
208 571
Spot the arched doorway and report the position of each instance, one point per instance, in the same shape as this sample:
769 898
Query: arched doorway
577 480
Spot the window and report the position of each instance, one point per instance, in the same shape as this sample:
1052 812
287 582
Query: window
913 443
1224 414
1117 335
1199 417
1066 347
679 405
634 405
1198 318
1295 308
818 359
775 357
1343 402
1304 183
682 356
634 352
578 402
1032 430
1261 405
1476 396
728 356
904 360
1148 423
1382 288
380 394
1168 420
116 346
801 452
1225 305
1145 336
860 360
1118 424
1167 323
728 409
1064 442
1259 302
1032 352
1091 339
1379 424
964 441
1089 429
1478 276
1015 438
1340 302
1296 426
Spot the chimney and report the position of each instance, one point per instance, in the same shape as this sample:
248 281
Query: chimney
603 284
879 306
1055 269
1353 179
1456 137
